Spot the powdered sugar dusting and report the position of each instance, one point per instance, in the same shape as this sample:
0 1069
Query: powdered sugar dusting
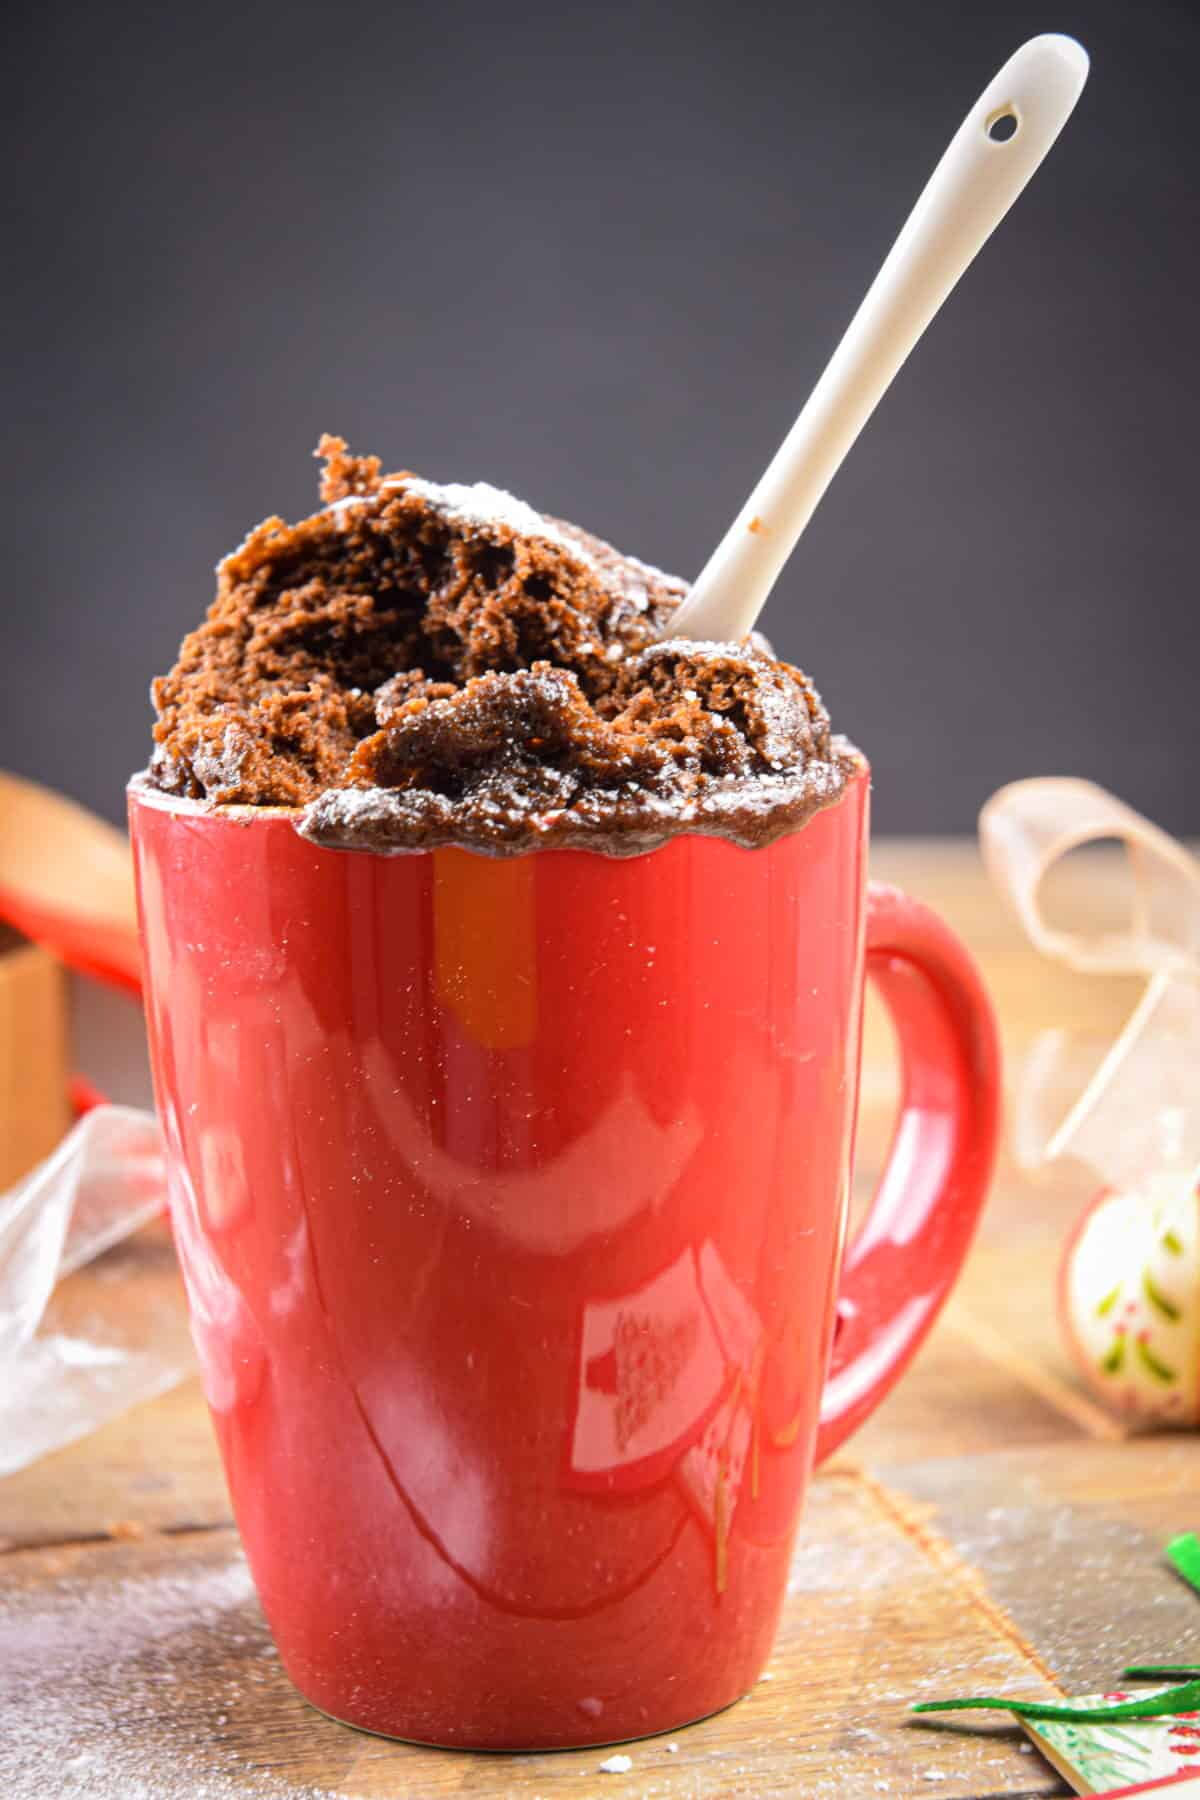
649 570
484 507
99 1691
629 823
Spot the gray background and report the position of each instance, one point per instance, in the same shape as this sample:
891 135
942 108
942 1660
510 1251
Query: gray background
599 254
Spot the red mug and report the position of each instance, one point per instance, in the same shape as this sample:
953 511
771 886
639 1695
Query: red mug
511 1197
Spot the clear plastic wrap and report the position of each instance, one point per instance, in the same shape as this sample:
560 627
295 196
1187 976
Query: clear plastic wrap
73 1354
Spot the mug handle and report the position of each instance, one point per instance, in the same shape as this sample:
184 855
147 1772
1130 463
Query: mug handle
902 1264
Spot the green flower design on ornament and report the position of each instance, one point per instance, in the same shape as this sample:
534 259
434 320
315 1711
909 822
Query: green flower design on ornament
1130 1297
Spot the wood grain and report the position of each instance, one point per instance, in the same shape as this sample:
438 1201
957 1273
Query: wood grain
1069 1539
165 1635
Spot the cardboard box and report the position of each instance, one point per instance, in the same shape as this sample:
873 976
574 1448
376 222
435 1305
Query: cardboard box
34 1108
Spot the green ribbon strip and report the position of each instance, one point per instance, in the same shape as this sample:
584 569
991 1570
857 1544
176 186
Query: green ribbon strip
1183 1553
1185 1698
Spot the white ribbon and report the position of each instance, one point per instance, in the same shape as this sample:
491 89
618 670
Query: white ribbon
1139 1115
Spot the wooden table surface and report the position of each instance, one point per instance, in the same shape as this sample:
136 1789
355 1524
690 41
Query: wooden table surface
990 1527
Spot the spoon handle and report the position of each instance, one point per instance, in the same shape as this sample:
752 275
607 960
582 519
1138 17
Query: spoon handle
993 154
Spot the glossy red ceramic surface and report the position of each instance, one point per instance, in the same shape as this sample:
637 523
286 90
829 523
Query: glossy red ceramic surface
510 1197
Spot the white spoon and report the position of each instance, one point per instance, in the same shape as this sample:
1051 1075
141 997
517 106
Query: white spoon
989 160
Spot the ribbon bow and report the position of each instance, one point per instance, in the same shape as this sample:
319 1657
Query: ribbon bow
1139 1115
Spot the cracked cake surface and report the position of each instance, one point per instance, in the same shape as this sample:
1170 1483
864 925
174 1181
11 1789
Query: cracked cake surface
418 665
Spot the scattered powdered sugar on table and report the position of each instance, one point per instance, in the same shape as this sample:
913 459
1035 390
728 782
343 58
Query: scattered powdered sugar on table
132 1615
99 1694
617 1765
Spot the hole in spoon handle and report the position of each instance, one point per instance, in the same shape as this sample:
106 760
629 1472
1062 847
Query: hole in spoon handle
1003 124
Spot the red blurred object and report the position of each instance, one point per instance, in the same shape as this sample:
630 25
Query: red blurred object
104 950
66 883
511 1197
84 1094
